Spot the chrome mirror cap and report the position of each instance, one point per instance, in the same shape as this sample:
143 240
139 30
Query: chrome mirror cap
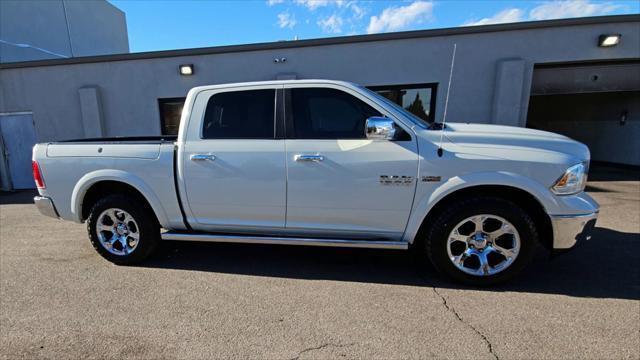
380 128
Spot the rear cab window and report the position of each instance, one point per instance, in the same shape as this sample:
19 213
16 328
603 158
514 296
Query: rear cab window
244 114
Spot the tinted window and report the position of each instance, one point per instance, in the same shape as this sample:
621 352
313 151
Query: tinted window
328 114
240 115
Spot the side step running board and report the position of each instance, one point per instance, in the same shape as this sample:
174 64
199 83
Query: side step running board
170 235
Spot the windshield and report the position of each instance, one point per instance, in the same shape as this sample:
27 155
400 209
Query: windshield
419 121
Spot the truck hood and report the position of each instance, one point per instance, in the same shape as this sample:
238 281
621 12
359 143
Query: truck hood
509 141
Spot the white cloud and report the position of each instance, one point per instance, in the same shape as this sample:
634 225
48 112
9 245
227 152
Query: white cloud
549 10
398 18
332 24
358 12
286 20
274 2
346 12
570 8
314 4
504 16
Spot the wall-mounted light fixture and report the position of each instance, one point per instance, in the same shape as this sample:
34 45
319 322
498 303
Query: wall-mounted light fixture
608 40
186 69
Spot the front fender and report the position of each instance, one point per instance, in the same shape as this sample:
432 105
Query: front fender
428 196
88 180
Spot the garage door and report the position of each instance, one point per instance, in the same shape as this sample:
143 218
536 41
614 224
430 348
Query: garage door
598 105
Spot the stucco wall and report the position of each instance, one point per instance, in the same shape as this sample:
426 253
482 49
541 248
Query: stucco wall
128 90
97 28
62 27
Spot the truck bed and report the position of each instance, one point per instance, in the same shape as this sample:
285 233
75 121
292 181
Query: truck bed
71 168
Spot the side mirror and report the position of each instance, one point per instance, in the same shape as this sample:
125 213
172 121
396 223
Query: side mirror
380 128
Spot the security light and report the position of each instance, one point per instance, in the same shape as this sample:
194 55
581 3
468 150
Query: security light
186 69
607 40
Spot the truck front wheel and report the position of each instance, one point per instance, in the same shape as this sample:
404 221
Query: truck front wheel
122 230
481 240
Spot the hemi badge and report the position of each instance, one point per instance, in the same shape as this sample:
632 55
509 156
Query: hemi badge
430 178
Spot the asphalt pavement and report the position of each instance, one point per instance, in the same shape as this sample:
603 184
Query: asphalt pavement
59 299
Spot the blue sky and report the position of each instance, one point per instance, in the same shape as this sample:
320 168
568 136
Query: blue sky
164 25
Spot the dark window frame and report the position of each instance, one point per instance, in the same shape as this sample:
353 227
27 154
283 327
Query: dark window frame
432 86
281 105
163 101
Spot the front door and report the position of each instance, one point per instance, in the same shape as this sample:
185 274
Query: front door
19 136
339 182
233 166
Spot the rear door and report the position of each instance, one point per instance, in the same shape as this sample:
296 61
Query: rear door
232 164
339 182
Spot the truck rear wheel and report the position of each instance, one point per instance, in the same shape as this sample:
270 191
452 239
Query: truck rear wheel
122 230
481 240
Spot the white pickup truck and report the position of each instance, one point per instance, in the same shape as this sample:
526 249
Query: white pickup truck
324 163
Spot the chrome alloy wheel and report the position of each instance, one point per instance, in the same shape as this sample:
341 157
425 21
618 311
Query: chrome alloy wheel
117 231
483 245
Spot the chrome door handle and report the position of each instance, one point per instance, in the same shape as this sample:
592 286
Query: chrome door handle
314 158
200 157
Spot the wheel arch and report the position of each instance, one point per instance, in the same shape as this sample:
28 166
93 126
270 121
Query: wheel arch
94 186
529 200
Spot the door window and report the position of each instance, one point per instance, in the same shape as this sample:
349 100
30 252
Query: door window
248 114
323 113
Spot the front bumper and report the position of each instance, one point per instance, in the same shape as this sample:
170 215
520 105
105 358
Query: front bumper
45 206
569 229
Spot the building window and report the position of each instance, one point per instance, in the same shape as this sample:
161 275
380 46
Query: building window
419 99
170 112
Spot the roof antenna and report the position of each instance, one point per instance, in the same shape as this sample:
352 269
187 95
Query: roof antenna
446 101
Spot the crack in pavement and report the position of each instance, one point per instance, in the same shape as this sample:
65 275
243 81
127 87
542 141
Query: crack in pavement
322 346
454 312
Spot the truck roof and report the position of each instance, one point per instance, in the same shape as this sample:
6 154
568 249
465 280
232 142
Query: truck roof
276 82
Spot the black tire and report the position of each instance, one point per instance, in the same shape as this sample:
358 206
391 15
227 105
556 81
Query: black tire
148 228
438 232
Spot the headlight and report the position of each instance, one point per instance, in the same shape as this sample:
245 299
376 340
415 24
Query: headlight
572 181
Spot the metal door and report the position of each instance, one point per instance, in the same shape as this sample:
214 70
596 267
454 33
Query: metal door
233 184
343 186
19 136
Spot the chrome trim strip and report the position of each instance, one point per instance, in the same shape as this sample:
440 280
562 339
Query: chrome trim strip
301 157
398 245
201 157
45 206
569 229
575 216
